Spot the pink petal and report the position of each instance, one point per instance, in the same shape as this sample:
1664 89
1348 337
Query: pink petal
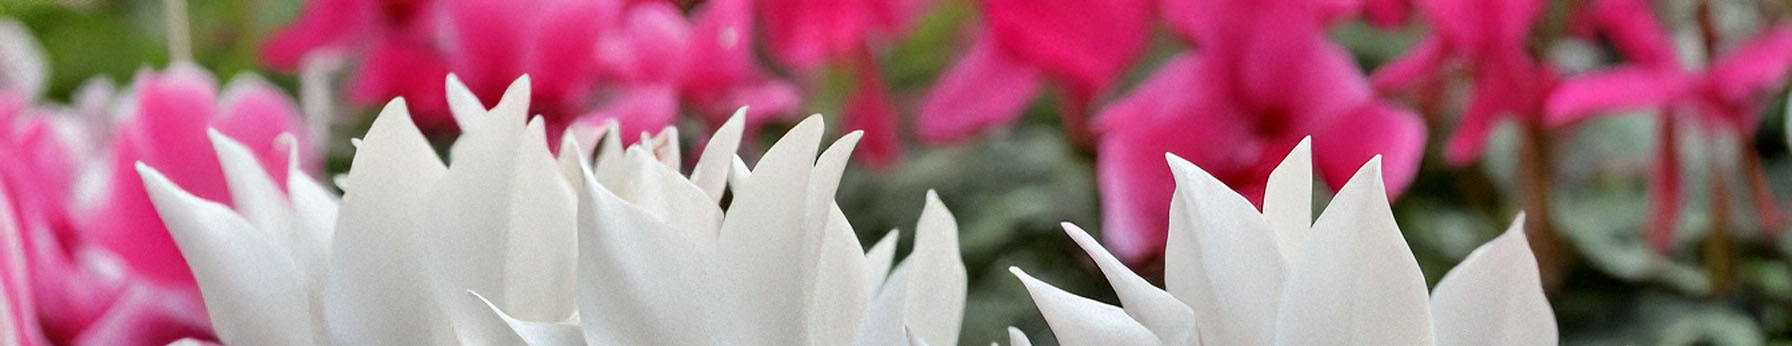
401 68
485 39
1464 145
1424 61
653 44
1632 26
805 33
255 113
870 110
320 23
985 89
1086 43
1377 128
1760 63
563 66
1620 88
146 315
1386 13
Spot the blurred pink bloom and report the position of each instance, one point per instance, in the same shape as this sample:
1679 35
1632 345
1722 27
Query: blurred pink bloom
1259 84
804 34
87 261
1488 37
661 60
1083 45
410 45
1728 94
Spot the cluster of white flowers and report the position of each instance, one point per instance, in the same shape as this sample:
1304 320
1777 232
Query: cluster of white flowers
508 244
1235 276
511 244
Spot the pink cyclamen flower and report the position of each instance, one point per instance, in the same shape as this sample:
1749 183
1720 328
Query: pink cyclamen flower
1251 94
1728 95
91 263
662 60
1489 38
87 261
1083 45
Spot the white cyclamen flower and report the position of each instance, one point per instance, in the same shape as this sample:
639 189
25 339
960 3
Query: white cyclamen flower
1235 276
388 264
393 261
661 263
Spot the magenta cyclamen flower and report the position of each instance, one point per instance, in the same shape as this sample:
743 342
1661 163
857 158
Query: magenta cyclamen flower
87 260
410 45
1083 45
1264 79
1726 95
1488 38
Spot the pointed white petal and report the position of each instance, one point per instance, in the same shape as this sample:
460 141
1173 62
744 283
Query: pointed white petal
1081 321
1221 259
515 102
537 333
570 161
636 285
824 180
879 258
313 204
842 289
883 324
915 340
1167 318
937 273
245 279
1288 198
1017 338
465 107
764 252
737 176
713 164
1355 280
645 183
1494 297
665 148
541 258
377 293
259 200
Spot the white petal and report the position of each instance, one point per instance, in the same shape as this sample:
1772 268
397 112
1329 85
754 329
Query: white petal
23 68
377 293
1355 280
468 214
1167 318
645 183
665 148
915 340
570 161
1220 258
1288 198
842 288
465 107
883 324
636 286
1081 321
253 192
515 102
313 204
542 235
763 252
246 280
937 273
879 258
1494 297
1017 338
713 164
537 333
737 176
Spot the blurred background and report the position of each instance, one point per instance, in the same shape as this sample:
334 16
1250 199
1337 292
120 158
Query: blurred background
1645 139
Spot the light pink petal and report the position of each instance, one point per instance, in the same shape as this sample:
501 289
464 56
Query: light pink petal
987 88
1620 88
254 112
654 39
639 109
1376 129
173 111
148 315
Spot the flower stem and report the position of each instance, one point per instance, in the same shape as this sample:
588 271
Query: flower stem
1534 168
180 39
